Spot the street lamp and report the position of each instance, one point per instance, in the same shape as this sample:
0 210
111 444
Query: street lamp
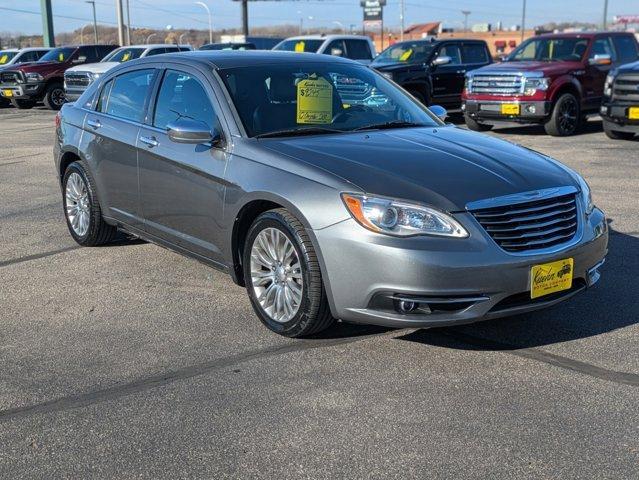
299 12
181 36
208 11
465 13
95 21
148 39
340 25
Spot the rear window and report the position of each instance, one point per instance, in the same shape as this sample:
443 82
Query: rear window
474 53
124 96
626 47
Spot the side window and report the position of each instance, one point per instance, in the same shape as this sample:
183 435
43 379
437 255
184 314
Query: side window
474 53
626 48
103 51
602 46
104 97
182 96
451 51
171 49
336 47
127 95
28 57
88 53
358 50
156 51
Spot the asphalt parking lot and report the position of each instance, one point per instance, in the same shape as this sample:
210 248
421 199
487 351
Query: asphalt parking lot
131 361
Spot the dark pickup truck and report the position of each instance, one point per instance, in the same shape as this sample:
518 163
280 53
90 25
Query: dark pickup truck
554 80
433 71
43 80
620 106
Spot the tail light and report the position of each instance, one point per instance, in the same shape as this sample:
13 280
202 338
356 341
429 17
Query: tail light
58 120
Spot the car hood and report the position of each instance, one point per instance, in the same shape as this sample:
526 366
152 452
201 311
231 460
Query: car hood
545 68
445 167
100 67
40 67
630 67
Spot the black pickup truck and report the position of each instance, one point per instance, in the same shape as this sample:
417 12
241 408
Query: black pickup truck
433 71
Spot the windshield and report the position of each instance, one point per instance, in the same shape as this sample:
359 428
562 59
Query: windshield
302 45
550 49
58 55
5 56
406 52
306 97
122 55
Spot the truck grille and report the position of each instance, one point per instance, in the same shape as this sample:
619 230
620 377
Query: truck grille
11 77
79 79
496 84
531 226
626 88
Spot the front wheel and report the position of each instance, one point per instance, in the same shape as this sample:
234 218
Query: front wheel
54 96
475 126
283 277
565 118
609 130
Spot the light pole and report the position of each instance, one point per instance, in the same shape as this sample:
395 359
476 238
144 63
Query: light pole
340 25
128 24
148 39
82 34
465 13
208 11
182 35
310 19
605 17
401 19
523 20
95 21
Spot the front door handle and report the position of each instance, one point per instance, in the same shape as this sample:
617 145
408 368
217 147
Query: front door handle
150 141
95 124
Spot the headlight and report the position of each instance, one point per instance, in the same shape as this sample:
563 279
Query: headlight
608 85
95 76
586 195
533 84
34 77
401 219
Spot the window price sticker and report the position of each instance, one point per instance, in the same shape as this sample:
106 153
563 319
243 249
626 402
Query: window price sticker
314 101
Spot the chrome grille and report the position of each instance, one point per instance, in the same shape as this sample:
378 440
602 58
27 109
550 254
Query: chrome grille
491 84
11 77
533 225
78 79
626 88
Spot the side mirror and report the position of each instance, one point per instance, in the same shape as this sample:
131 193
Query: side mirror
185 130
442 60
439 111
337 52
600 59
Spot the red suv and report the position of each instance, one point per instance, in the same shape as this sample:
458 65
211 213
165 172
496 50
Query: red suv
555 80
43 80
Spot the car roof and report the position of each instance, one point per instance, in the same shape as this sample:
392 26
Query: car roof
580 34
154 45
243 58
10 49
328 37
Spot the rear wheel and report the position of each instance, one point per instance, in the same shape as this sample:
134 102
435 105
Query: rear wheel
283 277
609 130
23 104
54 96
475 126
565 118
81 208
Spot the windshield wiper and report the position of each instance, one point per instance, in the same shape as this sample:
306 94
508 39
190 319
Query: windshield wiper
392 124
292 132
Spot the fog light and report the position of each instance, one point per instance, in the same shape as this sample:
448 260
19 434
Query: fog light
603 110
531 109
463 107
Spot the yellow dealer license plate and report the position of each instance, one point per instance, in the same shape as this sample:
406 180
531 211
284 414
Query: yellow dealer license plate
633 113
510 109
7 93
550 277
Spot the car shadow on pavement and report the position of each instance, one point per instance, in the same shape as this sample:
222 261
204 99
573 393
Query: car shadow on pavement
612 304
590 126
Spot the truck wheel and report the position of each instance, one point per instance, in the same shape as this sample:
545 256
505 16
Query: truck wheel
23 104
283 277
565 118
475 126
54 96
616 134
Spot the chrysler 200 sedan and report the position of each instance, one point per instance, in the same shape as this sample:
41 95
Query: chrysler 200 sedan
324 189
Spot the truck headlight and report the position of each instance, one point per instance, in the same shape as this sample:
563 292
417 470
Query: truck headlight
383 215
95 76
532 85
33 77
608 85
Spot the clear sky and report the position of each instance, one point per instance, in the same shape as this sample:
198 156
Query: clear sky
226 13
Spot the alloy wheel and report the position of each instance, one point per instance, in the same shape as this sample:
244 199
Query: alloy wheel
57 97
78 206
568 116
276 275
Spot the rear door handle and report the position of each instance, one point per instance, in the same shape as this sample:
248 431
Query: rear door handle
150 141
95 124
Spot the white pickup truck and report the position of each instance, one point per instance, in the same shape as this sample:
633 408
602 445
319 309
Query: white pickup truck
355 47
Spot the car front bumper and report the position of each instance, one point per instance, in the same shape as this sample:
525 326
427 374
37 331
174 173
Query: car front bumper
617 114
529 111
458 280
22 91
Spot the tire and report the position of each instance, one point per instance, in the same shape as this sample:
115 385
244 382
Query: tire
54 96
475 126
263 274
565 118
85 205
616 134
23 104
420 97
